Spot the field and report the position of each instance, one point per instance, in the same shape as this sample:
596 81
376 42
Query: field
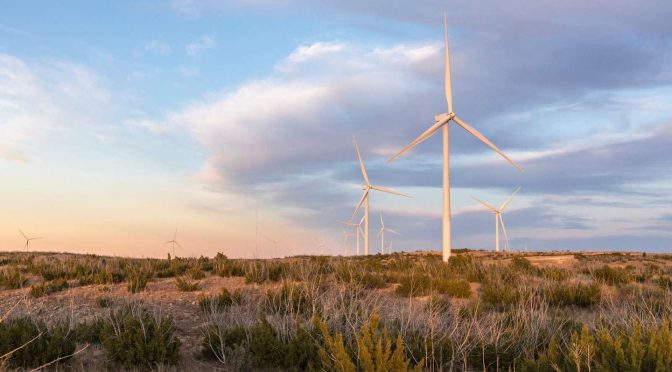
482 311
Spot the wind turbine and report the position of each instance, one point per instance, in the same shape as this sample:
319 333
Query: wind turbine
346 237
442 122
28 239
382 234
499 219
358 230
275 243
365 198
174 242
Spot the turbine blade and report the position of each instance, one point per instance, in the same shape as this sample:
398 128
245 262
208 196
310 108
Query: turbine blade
447 84
347 223
168 242
508 201
389 191
392 231
381 221
359 205
24 235
506 237
426 134
486 141
178 244
175 235
489 206
361 162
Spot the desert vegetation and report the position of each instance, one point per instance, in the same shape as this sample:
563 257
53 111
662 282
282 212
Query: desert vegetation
398 312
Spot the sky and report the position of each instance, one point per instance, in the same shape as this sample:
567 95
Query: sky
232 122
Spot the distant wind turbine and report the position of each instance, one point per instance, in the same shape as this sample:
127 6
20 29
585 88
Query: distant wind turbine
382 234
174 242
358 230
275 244
498 218
442 121
346 237
28 239
365 198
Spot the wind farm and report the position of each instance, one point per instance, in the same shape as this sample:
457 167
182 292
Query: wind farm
236 122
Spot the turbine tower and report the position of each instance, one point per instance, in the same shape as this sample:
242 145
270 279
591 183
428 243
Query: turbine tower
498 218
365 198
174 242
346 237
381 232
28 239
442 122
358 230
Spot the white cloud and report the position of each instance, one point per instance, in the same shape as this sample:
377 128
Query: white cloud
36 99
204 43
188 71
158 47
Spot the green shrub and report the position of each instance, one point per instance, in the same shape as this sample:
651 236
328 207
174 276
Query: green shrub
556 274
134 337
221 301
455 288
225 267
665 282
41 344
89 332
522 264
44 289
500 288
259 272
196 273
137 281
289 299
376 350
578 294
12 278
220 343
103 301
185 284
612 276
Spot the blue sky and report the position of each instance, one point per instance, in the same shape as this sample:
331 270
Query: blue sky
123 120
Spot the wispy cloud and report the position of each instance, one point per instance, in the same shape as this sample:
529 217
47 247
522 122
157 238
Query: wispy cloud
158 47
204 43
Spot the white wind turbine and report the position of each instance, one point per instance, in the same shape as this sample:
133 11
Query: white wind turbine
358 230
365 198
381 232
346 238
28 239
442 122
174 242
498 218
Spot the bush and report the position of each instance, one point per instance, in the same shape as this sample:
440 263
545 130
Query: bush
184 284
376 350
289 299
137 281
135 337
580 295
221 301
44 289
196 273
455 288
223 344
12 278
47 345
103 301
612 276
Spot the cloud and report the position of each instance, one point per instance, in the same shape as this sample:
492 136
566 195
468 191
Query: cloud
204 43
158 47
37 100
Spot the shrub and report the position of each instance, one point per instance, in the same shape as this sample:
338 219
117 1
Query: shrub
137 281
196 273
185 284
103 301
222 343
522 264
454 288
44 289
41 344
289 299
89 332
376 350
221 301
665 282
12 278
225 267
580 295
135 337
261 271
500 288
554 273
611 275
